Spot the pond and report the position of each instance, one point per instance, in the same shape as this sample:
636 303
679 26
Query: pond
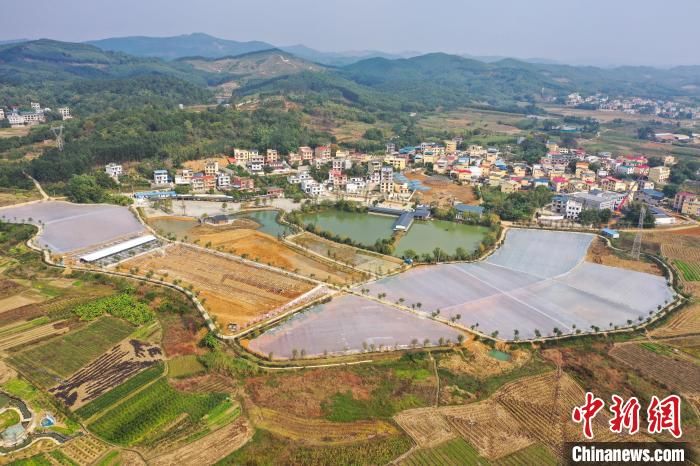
181 226
424 237
178 226
267 220
362 228
500 355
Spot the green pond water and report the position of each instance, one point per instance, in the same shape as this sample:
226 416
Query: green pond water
362 228
267 220
423 237
500 355
180 228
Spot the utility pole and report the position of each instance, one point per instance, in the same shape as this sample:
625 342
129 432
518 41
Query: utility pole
637 245
58 132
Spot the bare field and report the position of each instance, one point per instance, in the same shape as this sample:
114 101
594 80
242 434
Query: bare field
233 291
661 364
490 121
443 191
349 255
268 250
600 253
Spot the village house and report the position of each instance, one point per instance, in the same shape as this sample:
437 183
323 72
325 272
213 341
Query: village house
183 176
223 181
243 183
160 177
271 156
659 175
306 154
211 167
113 170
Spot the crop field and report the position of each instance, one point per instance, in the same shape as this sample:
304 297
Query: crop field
317 431
234 292
25 337
442 191
150 411
524 287
117 394
97 223
354 257
264 248
60 357
349 324
210 448
676 372
106 372
426 426
85 450
684 322
488 426
456 451
516 423
689 270
534 454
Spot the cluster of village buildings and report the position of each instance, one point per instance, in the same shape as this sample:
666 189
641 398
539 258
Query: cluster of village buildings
635 105
614 181
36 115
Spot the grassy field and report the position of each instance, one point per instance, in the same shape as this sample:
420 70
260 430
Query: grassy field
149 411
534 454
456 451
64 355
184 366
17 196
266 448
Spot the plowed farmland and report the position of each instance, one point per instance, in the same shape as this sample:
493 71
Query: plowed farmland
233 291
685 322
426 426
269 250
661 364
106 372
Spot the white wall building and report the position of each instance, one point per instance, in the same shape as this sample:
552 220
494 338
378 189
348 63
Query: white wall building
160 177
113 170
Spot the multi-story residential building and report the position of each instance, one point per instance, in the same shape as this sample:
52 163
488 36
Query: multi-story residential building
399 163
113 170
243 183
211 167
386 180
198 184
311 187
2 114
160 177
659 175
223 181
322 153
209 182
451 146
64 112
271 156
307 154
298 178
294 158
390 148
36 107
682 198
691 207
509 186
613 184
241 156
183 176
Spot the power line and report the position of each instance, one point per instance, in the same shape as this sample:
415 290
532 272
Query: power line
58 132
637 245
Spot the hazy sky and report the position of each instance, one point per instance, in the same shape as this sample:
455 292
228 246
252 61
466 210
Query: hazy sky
571 31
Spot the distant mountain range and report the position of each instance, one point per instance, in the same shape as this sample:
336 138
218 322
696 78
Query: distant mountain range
407 84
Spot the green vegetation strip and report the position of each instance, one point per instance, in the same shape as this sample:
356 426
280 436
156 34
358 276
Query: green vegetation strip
120 392
149 411
184 366
124 306
690 271
534 454
456 451
66 354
